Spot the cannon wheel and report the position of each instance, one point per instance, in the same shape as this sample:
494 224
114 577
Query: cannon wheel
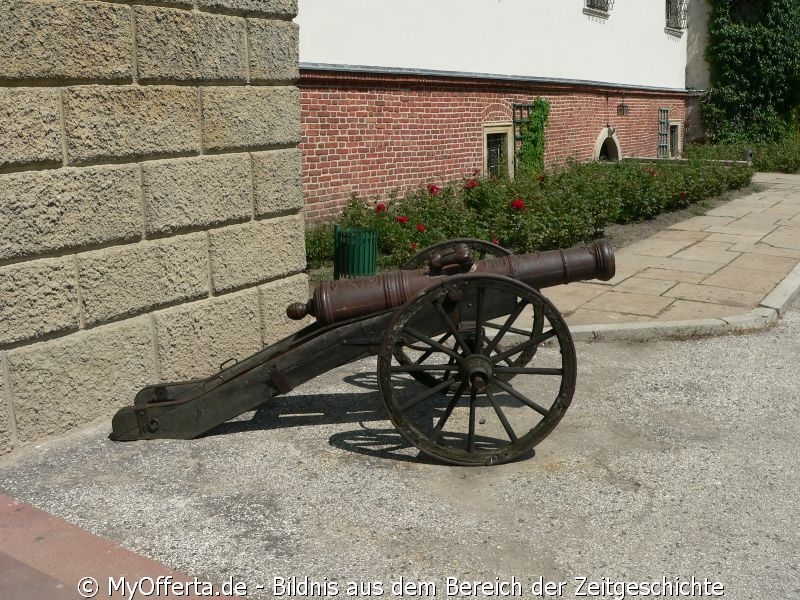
469 413
480 248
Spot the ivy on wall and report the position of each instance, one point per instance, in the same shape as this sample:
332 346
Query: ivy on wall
530 155
754 55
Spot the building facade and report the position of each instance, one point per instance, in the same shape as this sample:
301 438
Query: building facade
396 95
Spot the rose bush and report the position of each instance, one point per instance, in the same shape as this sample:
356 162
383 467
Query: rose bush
568 205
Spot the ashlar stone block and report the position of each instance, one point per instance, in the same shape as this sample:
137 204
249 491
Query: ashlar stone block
53 210
6 438
250 116
277 181
194 339
275 297
274 50
38 297
183 45
279 8
104 122
65 39
64 383
196 192
30 126
252 253
130 279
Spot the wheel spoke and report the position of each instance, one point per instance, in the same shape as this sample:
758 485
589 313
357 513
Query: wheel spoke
471 435
429 351
451 326
524 399
528 371
534 341
516 330
431 342
507 325
501 415
427 394
447 372
478 320
437 430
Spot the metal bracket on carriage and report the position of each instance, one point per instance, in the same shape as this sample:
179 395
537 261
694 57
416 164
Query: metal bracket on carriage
451 261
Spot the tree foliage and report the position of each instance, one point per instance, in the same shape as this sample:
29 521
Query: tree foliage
754 55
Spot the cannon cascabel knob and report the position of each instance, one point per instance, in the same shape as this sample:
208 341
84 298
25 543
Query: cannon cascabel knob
297 311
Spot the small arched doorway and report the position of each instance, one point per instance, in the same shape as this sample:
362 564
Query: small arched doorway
608 151
607 147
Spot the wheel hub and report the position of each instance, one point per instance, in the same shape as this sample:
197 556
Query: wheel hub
477 370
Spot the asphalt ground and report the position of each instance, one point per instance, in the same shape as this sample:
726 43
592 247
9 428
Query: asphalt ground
677 459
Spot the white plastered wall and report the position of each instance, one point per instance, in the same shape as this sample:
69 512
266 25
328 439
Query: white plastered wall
538 38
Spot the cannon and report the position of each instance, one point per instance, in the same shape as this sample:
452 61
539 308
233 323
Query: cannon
475 365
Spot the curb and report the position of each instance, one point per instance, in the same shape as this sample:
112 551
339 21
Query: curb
781 298
755 320
766 314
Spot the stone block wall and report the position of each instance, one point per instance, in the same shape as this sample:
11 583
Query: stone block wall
150 196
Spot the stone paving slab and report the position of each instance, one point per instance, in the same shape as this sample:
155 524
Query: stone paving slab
735 268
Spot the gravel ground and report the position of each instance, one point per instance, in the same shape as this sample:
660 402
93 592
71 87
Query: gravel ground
676 459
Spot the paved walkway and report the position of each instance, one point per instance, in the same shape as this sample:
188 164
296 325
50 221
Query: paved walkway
734 268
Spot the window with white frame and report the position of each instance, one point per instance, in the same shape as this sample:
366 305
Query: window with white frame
498 149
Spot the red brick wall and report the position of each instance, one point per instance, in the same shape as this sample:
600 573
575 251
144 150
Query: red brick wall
372 134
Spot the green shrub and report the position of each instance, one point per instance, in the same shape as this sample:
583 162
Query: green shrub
319 245
563 207
782 155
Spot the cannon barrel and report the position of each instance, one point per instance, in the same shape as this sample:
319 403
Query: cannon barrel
337 301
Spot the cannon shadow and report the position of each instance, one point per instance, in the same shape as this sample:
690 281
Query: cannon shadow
374 435
362 409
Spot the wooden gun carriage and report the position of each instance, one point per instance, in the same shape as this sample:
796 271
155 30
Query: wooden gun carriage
475 365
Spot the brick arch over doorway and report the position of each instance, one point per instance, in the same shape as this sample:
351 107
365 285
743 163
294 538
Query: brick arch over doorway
371 133
497 113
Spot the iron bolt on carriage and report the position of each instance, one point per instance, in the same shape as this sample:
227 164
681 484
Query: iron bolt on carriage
475 365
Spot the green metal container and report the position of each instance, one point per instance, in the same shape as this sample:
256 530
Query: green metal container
355 252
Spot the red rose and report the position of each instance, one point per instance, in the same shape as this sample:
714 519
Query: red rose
433 190
541 178
421 228
682 194
518 204
495 241
380 207
472 184
413 245
652 172
402 219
